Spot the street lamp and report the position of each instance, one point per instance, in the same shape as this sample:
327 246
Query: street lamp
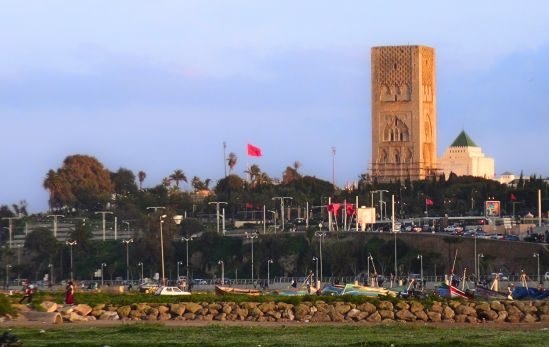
127 243
536 255
480 255
315 259
178 263
50 266
187 239
220 262
102 266
282 198
7 275
141 264
162 247
320 235
370 259
269 262
252 236
420 257
70 244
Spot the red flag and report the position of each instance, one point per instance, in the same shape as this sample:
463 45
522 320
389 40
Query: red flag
334 208
249 205
351 210
513 197
428 202
254 151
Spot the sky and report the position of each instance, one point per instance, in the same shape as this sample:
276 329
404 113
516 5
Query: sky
160 85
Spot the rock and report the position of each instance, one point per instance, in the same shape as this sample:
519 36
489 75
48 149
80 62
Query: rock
301 311
460 318
320 317
221 316
544 318
528 318
497 306
405 315
65 310
163 309
386 314
109 315
98 307
466 310
342 309
227 309
290 315
275 314
215 306
416 307
176 309
255 312
189 316
483 306
434 316
454 304
20 307
374 317
192 307
135 314
437 307
267 306
502 316
75 317
471 319
447 313
124 311
97 313
362 316
83 309
529 309
49 306
249 305
242 313
512 310
152 311
367 307
488 315
351 313
421 315
164 316
513 318
385 305
401 305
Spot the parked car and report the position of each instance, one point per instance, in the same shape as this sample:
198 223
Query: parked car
416 229
170 291
148 287
199 281
546 276
226 281
511 238
502 277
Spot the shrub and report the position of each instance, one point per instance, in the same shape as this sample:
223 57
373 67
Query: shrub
5 306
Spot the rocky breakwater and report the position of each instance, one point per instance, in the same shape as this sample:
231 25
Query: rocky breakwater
318 311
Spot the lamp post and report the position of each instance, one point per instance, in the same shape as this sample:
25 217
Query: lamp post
269 262
50 266
282 198
536 255
187 239
315 259
220 262
178 263
480 255
252 236
162 248
10 228
370 259
217 203
55 216
381 202
141 265
7 275
420 257
70 244
103 213
320 235
127 243
102 269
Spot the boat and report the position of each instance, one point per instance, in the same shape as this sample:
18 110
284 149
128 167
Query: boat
491 293
304 289
525 292
221 290
356 289
451 290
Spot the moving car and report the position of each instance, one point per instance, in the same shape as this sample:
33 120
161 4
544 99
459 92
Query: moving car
170 291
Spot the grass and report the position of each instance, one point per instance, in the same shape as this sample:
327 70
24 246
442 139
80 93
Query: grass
331 335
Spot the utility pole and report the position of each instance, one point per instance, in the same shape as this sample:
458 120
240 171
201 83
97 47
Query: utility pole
217 203
127 243
10 228
333 166
225 157
55 216
320 235
103 213
70 244
281 198
187 239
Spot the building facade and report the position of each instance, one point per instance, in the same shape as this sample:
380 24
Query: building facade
465 158
403 113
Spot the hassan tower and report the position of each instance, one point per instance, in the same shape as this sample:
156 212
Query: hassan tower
404 117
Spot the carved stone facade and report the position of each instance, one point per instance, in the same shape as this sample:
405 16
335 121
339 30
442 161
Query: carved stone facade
403 113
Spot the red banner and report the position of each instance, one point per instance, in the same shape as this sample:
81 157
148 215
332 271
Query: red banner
254 151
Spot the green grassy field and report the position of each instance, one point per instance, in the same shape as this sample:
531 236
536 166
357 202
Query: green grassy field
331 335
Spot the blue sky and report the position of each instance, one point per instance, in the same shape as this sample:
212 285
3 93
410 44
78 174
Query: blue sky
159 85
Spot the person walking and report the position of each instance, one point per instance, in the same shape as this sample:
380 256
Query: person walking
28 291
69 293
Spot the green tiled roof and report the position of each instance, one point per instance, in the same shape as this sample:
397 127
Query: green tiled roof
463 140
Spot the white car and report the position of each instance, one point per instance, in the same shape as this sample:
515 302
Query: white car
170 291
547 276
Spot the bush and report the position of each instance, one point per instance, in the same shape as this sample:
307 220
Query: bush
5 306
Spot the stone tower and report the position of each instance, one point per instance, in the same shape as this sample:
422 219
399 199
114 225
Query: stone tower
403 113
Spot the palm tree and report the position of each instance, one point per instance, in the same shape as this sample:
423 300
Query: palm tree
177 176
166 182
297 165
231 161
53 183
254 171
141 175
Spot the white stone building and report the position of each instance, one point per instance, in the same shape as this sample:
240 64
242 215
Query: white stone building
465 158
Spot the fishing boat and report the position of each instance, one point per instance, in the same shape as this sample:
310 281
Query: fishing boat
355 289
220 290
304 289
526 292
491 293
451 290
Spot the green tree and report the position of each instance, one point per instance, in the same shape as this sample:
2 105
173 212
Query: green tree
141 175
178 176
231 161
124 182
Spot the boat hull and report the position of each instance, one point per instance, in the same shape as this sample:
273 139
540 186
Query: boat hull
219 290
